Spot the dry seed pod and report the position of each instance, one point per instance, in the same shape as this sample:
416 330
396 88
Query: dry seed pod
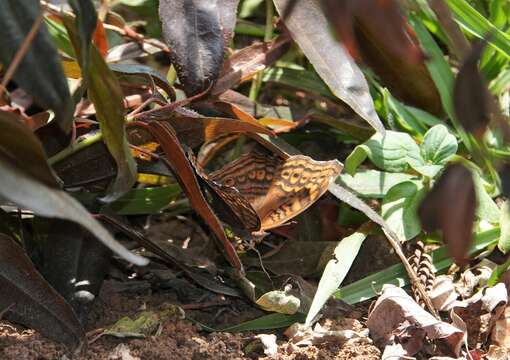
421 262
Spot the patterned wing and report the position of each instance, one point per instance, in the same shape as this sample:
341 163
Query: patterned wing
231 206
278 189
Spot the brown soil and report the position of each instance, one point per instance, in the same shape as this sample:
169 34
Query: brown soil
185 339
178 339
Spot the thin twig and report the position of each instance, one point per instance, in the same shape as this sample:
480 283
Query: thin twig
20 54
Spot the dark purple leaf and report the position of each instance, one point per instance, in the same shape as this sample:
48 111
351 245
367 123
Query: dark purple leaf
470 94
193 31
34 303
450 206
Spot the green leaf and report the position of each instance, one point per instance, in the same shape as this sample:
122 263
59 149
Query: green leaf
438 67
106 94
336 270
439 146
146 201
394 152
40 71
372 183
369 286
249 7
473 22
399 208
329 58
19 146
266 322
504 222
486 208
300 79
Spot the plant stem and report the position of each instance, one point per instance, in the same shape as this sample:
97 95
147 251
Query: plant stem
74 148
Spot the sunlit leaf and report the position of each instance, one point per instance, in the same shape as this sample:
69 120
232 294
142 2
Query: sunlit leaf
399 208
335 271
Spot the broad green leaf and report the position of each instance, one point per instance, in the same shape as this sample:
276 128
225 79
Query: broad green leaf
394 152
328 56
279 301
399 209
474 22
369 286
504 223
486 208
439 146
335 271
146 201
372 183
39 72
32 301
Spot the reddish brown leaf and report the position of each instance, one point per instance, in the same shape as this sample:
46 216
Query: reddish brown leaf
377 33
99 39
179 164
470 94
450 206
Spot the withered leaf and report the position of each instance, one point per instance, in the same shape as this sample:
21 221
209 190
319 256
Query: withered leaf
470 94
450 206
193 31
33 302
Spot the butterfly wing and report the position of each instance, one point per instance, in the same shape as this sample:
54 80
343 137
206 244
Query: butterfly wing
230 204
278 189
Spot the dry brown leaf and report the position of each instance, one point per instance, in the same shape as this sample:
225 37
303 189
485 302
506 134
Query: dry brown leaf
395 306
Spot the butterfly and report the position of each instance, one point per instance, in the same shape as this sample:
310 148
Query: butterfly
270 187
